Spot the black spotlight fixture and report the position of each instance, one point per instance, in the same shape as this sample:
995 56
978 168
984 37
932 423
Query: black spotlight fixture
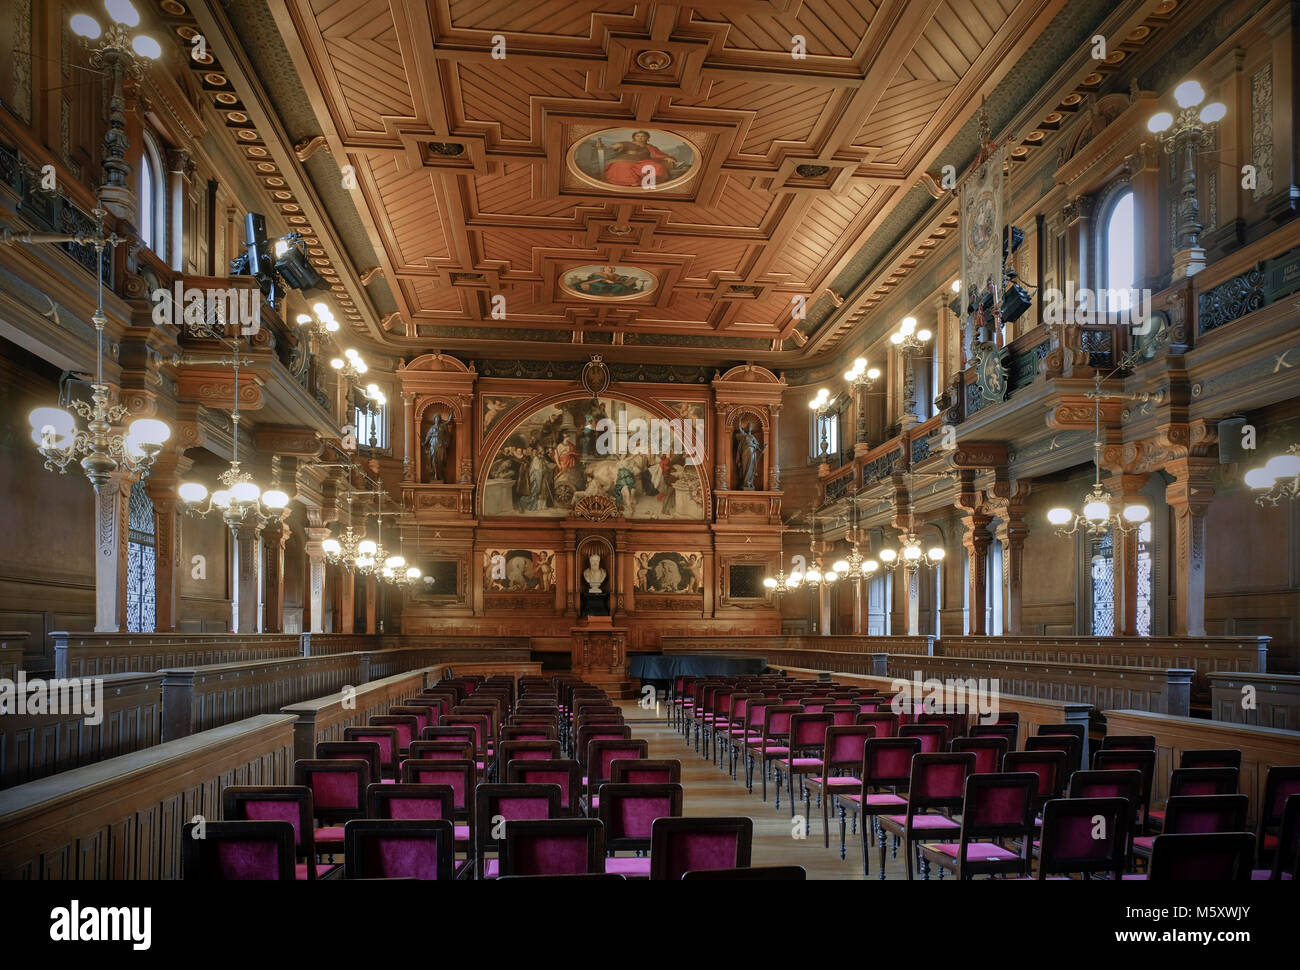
284 267
293 266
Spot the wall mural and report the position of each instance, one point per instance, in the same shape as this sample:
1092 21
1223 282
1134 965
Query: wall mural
496 407
563 452
518 570
669 572
634 159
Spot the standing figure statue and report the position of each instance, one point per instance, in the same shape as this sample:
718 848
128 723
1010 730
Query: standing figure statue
748 452
436 441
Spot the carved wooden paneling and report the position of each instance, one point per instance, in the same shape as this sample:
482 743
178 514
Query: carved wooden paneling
1261 700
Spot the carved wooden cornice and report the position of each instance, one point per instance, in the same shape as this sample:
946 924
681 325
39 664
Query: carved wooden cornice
979 454
1170 443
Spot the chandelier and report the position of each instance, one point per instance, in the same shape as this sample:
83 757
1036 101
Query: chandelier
1096 517
239 498
911 554
862 376
322 324
1278 478
350 366
106 448
908 339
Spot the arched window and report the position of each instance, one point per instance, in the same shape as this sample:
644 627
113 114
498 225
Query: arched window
153 196
1118 256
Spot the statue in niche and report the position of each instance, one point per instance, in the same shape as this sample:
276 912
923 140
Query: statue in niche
436 442
593 574
749 451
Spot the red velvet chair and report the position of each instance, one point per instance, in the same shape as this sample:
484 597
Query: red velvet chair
1011 732
885 722
461 777
937 785
1286 857
423 714
601 753
1048 765
423 802
681 845
456 750
750 732
933 737
840 761
237 850
597 732
1281 782
496 805
1220 856
988 751
404 724
389 745
529 732
997 807
628 812
367 751
552 847
1144 761
643 771
1210 758
1129 742
398 849
529 751
1084 835
1069 743
1193 814
338 794
1195 781
805 746
565 772
773 743
278 803
886 767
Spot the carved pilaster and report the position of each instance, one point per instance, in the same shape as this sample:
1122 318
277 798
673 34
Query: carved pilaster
246 577
1012 531
111 531
316 578
1189 497
274 537
975 539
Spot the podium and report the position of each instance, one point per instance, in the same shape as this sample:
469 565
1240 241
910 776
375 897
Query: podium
598 654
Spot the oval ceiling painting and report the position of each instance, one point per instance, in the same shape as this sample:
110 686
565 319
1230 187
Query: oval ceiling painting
634 160
608 284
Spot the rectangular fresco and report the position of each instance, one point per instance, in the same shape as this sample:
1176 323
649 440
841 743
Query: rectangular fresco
518 570
556 455
669 572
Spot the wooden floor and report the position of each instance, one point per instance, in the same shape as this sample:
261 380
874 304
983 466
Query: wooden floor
710 791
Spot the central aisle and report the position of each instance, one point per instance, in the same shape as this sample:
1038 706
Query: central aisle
710 791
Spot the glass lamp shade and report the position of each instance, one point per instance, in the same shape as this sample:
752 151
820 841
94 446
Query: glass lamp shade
851 375
332 325
320 309
813 404
372 390
840 566
831 576
1059 516
245 492
337 363
367 547
275 499
146 47
412 573
908 326
395 562
52 427
769 582
360 365
222 498
148 431
303 319
351 354
192 492
794 580
895 337
1096 511
888 556
869 567
1259 478
911 553
1160 121
813 575
936 554
1213 113
123 12
331 546
923 335
84 26
388 573
874 373
1188 94
1283 466
365 562
1136 513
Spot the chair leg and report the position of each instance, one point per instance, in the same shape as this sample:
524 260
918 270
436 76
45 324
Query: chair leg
826 822
865 864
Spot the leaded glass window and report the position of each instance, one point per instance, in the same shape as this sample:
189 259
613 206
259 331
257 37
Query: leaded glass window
1103 586
140 602
1145 582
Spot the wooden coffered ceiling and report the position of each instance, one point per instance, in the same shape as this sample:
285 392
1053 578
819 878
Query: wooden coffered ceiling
466 188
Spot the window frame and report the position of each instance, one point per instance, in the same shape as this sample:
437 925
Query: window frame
153 161
1107 203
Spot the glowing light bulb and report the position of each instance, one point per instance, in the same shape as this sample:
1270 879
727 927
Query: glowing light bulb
147 47
840 566
956 286
275 499
870 566
895 337
1096 511
123 12
222 498
888 555
331 546
1059 516
84 26
911 553
936 553
303 319
367 547
192 492
337 363
1213 113
874 373
923 335
1188 94
1136 513
1160 121
245 492
1283 466
769 582
908 326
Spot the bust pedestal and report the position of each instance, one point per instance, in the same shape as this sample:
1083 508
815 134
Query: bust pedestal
598 654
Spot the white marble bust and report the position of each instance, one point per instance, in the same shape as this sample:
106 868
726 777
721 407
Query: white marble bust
593 574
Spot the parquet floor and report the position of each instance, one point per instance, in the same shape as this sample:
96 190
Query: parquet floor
710 791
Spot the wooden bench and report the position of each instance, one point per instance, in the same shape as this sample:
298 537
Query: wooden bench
782 645
1275 699
128 715
1205 655
324 718
1164 691
12 644
121 818
1260 747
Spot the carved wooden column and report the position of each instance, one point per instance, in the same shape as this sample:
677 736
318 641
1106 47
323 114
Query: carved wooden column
1012 530
347 601
975 538
912 590
178 162
1189 497
111 529
721 446
408 437
274 537
774 450
246 577
1127 491
316 579
372 599
161 484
